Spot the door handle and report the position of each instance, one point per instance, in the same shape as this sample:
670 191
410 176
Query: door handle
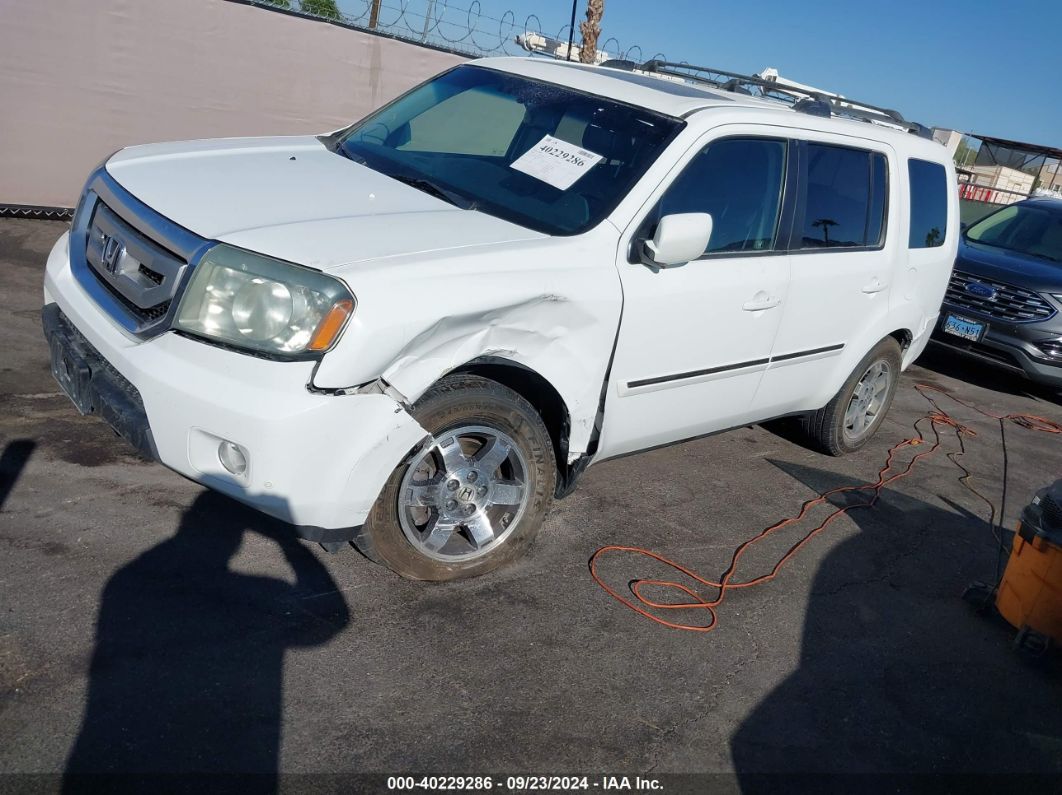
760 302
875 286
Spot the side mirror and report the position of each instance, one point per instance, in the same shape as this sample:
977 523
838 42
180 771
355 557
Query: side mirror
679 238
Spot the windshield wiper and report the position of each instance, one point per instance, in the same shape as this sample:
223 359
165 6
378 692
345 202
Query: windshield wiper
437 191
342 151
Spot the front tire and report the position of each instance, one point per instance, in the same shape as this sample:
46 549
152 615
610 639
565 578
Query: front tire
848 422
474 498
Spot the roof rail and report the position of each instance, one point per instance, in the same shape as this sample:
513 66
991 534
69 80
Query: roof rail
803 100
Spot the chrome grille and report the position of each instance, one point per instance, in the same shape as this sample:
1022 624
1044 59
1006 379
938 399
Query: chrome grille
142 275
146 316
131 260
997 299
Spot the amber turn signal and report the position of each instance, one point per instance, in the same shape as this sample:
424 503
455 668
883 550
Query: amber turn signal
329 328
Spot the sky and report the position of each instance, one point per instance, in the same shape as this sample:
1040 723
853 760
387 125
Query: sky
992 67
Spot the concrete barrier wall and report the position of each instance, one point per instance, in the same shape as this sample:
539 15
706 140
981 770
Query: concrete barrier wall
82 78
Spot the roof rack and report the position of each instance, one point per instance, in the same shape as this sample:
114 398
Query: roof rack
803 100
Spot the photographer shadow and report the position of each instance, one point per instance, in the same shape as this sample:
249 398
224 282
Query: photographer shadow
898 677
187 671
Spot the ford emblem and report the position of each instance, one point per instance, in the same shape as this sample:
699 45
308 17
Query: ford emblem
981 290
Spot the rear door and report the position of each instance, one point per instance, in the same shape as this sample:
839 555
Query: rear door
695 339
842 268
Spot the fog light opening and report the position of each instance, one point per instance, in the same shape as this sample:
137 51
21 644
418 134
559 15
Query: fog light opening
232 457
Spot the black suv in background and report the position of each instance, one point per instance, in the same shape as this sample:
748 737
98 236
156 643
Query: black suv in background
1004 299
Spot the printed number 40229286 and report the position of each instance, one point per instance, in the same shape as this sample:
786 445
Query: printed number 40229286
568 157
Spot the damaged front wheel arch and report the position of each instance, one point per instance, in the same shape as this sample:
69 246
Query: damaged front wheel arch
546 400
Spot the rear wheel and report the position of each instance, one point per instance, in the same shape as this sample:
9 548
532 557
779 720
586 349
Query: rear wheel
474 498
849 421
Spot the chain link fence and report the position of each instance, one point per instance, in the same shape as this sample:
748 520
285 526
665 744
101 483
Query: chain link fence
458 27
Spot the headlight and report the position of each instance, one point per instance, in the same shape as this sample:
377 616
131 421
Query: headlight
263 304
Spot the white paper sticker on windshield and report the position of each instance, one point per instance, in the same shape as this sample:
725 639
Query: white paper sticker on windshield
556 162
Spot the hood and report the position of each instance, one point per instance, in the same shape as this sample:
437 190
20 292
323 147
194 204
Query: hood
294 199
1000 264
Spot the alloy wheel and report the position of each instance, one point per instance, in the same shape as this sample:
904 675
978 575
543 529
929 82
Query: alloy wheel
868 399
463 495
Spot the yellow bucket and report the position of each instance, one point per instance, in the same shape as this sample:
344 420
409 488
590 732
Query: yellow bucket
1030 593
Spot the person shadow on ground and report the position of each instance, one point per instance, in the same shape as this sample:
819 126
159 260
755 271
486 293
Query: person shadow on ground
187 672
898 677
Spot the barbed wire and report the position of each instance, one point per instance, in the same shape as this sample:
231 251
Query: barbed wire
451 26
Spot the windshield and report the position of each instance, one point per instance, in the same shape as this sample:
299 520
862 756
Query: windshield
534 153
1026 228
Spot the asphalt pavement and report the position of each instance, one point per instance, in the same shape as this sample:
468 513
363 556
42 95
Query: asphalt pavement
150 626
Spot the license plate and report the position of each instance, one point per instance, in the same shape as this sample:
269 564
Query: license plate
959 326
72 374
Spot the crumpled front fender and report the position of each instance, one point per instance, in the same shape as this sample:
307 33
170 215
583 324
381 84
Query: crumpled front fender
553 311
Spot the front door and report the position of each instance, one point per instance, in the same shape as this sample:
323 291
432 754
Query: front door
695 339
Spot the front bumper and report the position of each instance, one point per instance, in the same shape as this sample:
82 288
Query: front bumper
93 385
317 461
1008 345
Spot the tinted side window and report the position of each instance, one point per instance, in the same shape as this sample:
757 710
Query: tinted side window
738 181
846 197
929 204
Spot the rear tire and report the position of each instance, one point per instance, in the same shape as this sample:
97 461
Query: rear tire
473 500
848 422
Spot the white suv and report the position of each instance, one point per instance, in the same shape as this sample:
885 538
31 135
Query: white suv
415 332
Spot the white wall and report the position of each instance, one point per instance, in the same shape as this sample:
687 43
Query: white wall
82 78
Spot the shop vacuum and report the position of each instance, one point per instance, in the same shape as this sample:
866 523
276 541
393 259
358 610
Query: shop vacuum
1029 595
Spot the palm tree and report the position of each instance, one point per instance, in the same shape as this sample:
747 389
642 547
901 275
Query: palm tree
825 224
591 29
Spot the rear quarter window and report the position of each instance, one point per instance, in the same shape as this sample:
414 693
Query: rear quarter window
929 204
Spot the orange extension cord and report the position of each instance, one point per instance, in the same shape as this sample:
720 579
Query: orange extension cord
938 419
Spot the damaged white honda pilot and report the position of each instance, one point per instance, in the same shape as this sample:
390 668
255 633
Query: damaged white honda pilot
415 332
